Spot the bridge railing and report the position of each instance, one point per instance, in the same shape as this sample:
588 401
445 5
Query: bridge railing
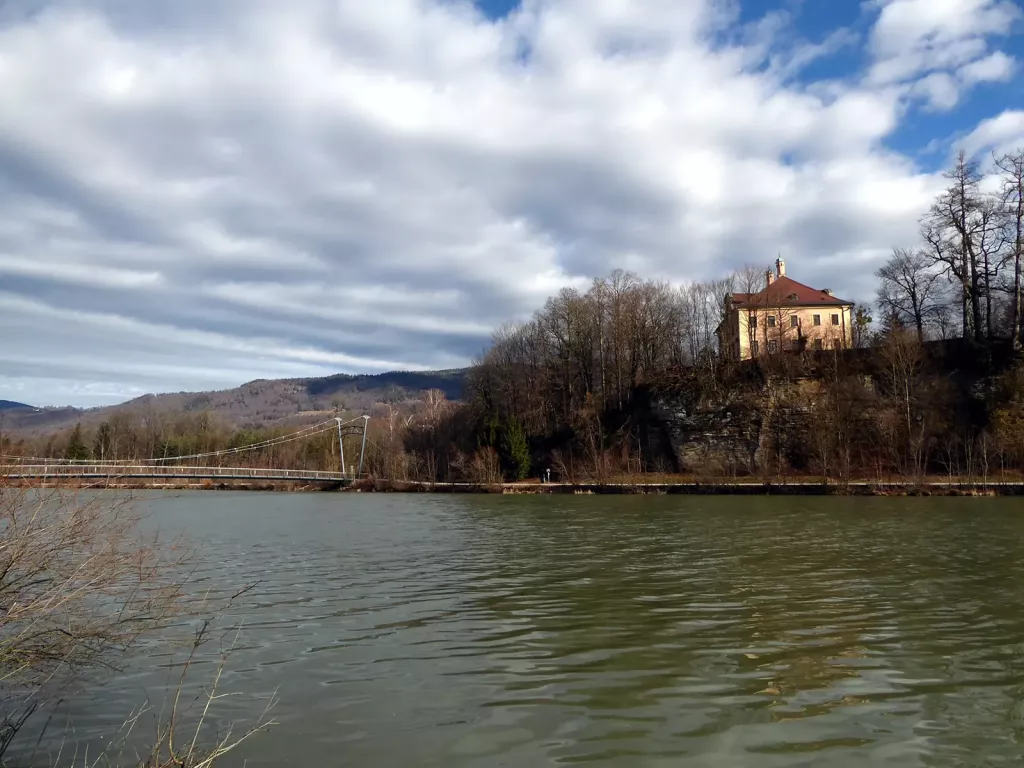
157 471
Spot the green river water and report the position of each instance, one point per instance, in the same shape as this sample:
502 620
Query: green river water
421 630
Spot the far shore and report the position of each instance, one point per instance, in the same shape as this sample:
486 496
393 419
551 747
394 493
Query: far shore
738 487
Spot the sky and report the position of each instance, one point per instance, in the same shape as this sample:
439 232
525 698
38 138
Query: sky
198 193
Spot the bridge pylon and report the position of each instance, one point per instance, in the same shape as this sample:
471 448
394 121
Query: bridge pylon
348 428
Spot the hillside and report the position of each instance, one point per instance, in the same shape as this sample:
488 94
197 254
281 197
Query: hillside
10 405
261 402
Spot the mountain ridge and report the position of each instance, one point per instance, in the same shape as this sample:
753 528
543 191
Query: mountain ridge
260 402
11 405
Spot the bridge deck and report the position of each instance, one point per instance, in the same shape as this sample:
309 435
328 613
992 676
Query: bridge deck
156 472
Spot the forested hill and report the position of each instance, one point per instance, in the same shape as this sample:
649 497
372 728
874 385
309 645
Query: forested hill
10 405
263 402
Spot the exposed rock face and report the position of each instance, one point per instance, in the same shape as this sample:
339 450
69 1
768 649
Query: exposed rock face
723 440
822 413
736 439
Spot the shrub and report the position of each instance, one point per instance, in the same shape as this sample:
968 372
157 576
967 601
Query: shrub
80 585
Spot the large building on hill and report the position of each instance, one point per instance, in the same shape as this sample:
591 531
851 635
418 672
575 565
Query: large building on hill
784 316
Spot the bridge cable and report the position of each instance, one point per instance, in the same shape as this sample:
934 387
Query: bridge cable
301 434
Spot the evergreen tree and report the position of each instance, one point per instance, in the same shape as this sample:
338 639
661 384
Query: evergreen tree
517 450
487 434
861 326
77 450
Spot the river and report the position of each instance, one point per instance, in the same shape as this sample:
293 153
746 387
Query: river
431 630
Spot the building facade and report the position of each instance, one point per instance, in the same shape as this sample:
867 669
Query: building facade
785 316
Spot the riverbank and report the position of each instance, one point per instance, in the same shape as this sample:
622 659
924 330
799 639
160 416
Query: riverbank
718 488
795 487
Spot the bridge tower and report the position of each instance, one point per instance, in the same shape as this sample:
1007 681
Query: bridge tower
341 446
342 427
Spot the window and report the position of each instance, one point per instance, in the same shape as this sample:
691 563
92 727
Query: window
771 321
835 319
818 344
773 347
837 344
753 347
797 345
794 321
753 321
817 319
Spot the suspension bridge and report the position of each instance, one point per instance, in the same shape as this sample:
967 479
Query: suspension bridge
226 465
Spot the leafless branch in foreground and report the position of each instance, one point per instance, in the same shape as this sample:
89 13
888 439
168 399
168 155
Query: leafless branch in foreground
81 583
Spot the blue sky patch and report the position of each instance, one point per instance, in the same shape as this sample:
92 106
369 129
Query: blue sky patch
497 9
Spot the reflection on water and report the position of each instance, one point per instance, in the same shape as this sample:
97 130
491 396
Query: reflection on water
516 631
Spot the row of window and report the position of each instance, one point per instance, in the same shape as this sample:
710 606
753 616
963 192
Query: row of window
773 346
794 321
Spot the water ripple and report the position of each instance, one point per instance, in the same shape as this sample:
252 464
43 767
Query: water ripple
482 631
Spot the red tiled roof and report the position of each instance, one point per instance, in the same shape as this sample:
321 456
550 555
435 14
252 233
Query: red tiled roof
787 292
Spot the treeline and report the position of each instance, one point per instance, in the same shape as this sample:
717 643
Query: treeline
579 378
141 434
896 406
625 378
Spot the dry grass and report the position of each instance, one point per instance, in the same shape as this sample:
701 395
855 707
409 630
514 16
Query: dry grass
80 585
181 735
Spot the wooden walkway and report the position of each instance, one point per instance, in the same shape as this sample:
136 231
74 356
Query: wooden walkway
119 472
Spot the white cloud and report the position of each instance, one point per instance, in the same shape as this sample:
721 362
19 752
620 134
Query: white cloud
930 25
197 193
941 91
937 40
1001 134
996 67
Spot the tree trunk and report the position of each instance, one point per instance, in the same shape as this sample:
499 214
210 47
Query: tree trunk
1012 168
976 324
1015 330
1015 310
988 300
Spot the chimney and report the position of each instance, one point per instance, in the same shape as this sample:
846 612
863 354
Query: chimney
780 267
827 291
769 276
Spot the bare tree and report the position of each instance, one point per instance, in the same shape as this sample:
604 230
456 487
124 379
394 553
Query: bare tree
908 288
749 280
81 585
779 326
991 242
902 359
957 233
1011 168
702 311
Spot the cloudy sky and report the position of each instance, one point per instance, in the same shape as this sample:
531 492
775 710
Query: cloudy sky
197 193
